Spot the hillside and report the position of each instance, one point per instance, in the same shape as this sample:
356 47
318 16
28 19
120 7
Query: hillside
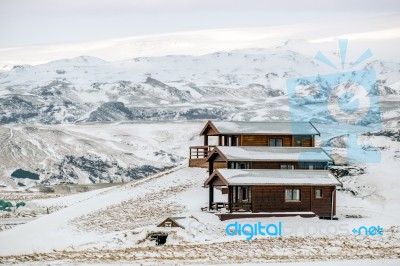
118 222
91 153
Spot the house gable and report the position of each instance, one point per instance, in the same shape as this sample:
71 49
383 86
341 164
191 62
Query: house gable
209 129
216 179
170 222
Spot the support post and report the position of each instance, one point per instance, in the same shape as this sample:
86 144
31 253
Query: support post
211 196
230 196
333 195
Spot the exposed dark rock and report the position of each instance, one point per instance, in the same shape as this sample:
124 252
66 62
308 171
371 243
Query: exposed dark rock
19 173
342 171
111 111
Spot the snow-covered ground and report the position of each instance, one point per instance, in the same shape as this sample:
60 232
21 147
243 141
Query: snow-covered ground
113 224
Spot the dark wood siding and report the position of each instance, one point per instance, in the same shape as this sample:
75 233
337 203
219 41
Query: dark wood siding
272 199
277 165
210 131
270 165
323 205
218 165
306 143
263 140
254 140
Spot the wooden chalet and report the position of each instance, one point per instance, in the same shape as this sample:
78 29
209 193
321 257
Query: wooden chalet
277 134
271 191
249 157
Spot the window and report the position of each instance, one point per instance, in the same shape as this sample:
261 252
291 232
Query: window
292 194
168 224
238 165
287 166
234 141
242 194
311 167
275 142
244 191
318 193
302 141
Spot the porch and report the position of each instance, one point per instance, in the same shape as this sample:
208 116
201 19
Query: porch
197 155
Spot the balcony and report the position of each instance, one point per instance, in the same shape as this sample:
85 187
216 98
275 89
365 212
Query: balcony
198 154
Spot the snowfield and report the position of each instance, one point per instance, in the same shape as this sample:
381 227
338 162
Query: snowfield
113 225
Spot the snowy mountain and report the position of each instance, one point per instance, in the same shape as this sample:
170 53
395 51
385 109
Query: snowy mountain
91 153
224 85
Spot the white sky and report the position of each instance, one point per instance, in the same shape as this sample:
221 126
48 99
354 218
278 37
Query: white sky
51 29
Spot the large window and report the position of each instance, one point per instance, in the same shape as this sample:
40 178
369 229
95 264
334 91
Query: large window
318 193
287 166
242 194
275 142
292 194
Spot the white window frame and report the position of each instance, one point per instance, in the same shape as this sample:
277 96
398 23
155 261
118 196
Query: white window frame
290 196
322 195
286 166
168 224
275 139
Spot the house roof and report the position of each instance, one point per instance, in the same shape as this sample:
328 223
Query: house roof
252 177
265 128
182 222
251 153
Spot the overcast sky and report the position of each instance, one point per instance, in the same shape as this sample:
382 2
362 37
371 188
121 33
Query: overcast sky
37 22
37 31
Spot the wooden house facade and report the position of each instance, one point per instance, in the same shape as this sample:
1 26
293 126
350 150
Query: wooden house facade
266 167
268 158
276 191
262 134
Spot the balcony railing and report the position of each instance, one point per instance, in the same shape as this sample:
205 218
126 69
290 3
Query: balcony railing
200 152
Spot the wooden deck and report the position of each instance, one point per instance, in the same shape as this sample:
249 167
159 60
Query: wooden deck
198 154
198 163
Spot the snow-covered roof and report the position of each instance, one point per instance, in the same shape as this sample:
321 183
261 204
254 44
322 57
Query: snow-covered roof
239 127
183 222
249 153
274 177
